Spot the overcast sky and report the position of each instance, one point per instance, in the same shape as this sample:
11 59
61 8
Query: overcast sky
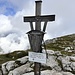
13 29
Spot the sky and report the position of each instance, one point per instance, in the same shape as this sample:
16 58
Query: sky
13 30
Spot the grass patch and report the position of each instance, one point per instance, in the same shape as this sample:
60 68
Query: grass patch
54 46
61 43
67 53
12 56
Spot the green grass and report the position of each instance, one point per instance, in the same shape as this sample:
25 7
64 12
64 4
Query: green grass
12 56
54 46
67 53
61 43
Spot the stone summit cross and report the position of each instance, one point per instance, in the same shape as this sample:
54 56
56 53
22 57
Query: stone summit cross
36 34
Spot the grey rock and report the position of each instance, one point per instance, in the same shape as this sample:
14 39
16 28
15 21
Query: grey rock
23 59
21 70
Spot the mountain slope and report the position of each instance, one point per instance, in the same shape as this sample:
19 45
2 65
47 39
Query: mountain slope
60 60
62 43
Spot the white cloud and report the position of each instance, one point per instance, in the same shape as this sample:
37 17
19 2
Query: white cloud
13 42
15 39
20 43
5 24
64 22
17 20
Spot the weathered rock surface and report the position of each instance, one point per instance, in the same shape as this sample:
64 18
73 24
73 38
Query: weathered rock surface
57 64
21 70
51 72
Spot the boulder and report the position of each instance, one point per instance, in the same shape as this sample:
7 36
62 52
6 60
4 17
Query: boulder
8 66
50 72
23 59
21 70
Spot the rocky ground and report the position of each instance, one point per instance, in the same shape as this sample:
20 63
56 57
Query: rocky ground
60 59
57 64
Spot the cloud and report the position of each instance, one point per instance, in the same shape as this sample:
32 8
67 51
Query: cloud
18 19
14 29
10 7
11 38
62 9
5 24
64 21
13 42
